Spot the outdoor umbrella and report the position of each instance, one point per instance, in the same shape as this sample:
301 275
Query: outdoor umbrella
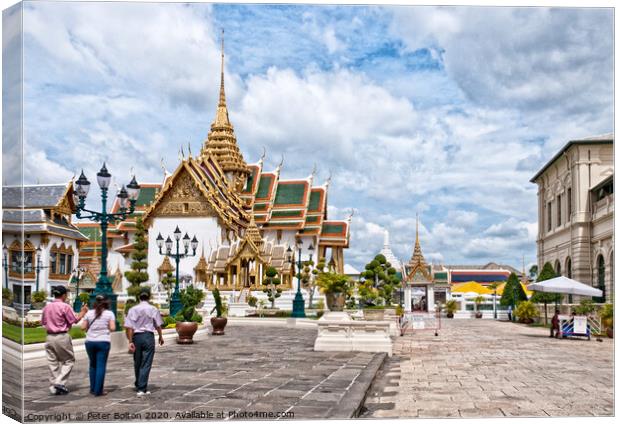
565 285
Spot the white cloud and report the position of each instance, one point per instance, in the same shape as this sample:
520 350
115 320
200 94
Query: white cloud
463 164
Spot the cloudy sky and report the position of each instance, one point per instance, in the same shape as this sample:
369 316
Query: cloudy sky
443 111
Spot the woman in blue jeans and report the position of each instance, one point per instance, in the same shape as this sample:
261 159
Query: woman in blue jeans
98 322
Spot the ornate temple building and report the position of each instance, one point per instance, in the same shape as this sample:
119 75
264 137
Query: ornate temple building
245 218
40 242
421 282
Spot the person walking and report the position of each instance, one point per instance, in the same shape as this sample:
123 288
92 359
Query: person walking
58 318
141 322
98 324
555 324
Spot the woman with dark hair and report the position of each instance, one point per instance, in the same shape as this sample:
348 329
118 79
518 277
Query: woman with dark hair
98 322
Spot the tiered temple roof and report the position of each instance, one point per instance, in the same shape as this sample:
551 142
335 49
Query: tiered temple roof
263 201
417 269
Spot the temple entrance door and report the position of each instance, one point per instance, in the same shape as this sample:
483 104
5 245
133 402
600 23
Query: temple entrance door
419 298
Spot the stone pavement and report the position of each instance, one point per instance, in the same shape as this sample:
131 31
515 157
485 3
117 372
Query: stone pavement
269 370
484 368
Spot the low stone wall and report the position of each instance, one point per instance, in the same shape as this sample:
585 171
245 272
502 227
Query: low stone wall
338 332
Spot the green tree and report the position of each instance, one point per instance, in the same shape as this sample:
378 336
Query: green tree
138 274
168 282
546 273
513 285
270 285
534 271
308 279
378 282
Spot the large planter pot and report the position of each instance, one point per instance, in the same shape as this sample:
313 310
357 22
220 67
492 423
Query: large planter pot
335 301
450 314
186 331
218 324
374 314
609 332
478 314
37 305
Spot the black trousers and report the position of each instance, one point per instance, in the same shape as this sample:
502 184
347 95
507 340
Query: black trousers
143 358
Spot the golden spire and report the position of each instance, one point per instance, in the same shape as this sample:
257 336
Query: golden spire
417 257
221 141
253 233
221 116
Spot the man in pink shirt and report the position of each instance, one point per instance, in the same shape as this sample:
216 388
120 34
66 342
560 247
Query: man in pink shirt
58 318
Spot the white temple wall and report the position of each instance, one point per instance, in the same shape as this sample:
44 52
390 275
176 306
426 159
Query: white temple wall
206 229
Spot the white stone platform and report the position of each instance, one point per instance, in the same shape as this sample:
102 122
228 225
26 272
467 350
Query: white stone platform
338 332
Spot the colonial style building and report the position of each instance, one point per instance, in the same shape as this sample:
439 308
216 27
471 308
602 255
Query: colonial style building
575 212
40 243
245 218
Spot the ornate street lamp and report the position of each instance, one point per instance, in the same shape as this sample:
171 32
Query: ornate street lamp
76 276
129 193
298 302
175 300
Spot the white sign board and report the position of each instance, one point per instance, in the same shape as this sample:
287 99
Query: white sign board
580 325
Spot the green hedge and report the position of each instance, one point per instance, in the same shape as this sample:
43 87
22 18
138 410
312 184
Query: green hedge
34 335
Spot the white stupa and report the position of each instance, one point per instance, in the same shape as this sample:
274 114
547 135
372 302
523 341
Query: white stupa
389 255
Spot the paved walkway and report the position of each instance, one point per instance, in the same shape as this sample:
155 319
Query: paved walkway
272 371
483 368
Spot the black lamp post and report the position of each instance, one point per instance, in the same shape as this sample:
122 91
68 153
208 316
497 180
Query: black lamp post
495 302
514 301
298 302
38 268
175 300
5 264
76 277
125 195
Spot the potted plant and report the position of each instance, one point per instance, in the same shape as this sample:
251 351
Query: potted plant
376 286
252 301
607 319
218 322
84 297
478 300
400 311
38 299
451 307
187 318
335 287
526 312
7 296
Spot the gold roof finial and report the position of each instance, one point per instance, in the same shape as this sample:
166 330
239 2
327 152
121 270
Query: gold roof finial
417 257
417 229
222 101
221 142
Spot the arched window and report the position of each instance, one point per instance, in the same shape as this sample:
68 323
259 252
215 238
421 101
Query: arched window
568 268
558 268
21 259
600 278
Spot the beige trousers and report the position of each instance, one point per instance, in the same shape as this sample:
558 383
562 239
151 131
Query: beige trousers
60 357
